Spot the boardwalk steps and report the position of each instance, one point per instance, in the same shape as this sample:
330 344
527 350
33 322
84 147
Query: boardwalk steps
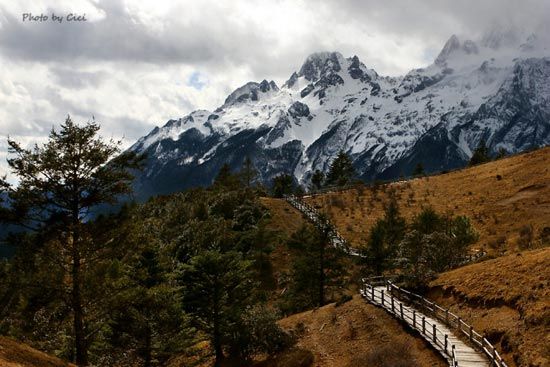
438 326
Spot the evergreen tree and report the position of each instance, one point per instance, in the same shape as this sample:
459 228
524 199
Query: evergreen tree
418 169
317 180
317 269
283 184
384 238
435 243
146 316
502 153
217 289
59 183
226 179
341 170
248 172
394 224
480 154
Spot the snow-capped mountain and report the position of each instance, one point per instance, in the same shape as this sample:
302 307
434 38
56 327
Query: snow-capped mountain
497 89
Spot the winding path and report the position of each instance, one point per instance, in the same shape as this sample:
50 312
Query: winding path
436 325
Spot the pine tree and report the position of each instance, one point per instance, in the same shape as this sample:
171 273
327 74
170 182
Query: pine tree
59 183
317 268
217 289
248 172
384 238
226 179
317 180
418 169
480 154
341 170
283 184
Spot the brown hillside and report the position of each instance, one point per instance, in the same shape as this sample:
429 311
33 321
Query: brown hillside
508 300
15 354
355 334
507 200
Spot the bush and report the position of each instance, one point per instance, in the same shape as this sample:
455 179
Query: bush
259 333
526 236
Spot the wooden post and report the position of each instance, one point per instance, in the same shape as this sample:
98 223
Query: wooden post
434 333
447 317
382 292
423 325
401 309
414 319
459 324
372 292
392 307
471 332
446 342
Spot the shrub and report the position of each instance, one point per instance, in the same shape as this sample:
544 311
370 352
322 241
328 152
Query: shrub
526 235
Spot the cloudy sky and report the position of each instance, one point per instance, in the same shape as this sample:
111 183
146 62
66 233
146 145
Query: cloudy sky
134 64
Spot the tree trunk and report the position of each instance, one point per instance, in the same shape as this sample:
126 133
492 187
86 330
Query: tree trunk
80 341
217 345
147 358
80 338
322 273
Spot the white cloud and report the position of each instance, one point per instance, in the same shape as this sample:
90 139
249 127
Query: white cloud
136 64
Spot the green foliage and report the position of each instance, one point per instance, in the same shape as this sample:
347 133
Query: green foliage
317 180
258 333
248 172
435 243
480 154
418 169
217 288
384 238
226 179
317 270
283 184
341 170
59 182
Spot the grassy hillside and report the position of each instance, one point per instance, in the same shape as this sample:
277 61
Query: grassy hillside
357 334
508 201
15 354
507 299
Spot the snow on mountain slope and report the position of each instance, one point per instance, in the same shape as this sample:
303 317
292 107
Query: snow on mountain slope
496 89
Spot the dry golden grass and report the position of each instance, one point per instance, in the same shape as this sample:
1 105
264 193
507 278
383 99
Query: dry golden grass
507 299
345 335
16 354
502 198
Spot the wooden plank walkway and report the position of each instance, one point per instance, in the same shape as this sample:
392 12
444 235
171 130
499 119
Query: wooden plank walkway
440 328
436 333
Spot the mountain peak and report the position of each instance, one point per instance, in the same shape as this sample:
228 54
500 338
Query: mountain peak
451 46
250 91
319 63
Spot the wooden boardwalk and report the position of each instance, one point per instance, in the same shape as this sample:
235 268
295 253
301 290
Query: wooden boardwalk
435 324
436 333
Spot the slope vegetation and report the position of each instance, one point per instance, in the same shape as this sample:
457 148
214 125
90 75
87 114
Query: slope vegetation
508 201
508 300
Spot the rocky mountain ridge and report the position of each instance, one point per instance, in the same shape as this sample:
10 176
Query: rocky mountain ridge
496 89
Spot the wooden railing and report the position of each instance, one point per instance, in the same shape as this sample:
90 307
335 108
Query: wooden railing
429 330
324 224
451 320
418 322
